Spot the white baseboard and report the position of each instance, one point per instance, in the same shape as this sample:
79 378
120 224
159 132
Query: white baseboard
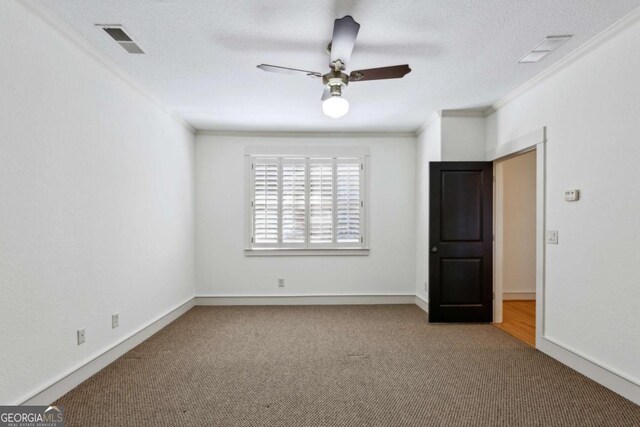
597 372
71 379
66 382
305 300
422 303
518 295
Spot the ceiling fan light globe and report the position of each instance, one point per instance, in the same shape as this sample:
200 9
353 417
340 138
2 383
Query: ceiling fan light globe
335 106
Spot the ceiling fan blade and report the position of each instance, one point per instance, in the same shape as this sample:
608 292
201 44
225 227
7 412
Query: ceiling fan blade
345 31
326 94
285 70
393 72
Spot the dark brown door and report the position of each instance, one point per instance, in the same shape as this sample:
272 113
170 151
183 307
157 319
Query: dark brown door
461 242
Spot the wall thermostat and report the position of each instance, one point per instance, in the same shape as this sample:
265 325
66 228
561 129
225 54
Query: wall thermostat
572 195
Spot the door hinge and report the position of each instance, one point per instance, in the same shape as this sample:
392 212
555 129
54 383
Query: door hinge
361 239
251 239
362 203
361 166
252 203
251 166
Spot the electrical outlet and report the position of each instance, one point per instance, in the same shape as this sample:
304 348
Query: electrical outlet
115 320
81 336
552 237
281 283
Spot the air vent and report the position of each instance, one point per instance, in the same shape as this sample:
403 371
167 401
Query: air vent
118 33
544 48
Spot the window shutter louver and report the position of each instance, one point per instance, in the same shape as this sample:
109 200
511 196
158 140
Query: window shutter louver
348 202
265 202
293 201
320 201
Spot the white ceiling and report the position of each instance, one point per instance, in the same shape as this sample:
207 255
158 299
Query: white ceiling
201 55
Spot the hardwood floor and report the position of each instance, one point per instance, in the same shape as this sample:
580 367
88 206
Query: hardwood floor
519 320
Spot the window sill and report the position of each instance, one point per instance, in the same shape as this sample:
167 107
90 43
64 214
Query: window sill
306 252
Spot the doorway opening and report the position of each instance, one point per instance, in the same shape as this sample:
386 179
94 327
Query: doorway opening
515 245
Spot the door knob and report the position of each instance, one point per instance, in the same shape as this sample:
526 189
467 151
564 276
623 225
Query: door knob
434 249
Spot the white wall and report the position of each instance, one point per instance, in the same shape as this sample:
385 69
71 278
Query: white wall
429 147
463 138
96 201
223 269
591 110
519 225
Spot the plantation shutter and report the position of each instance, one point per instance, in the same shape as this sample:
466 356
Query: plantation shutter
265 202
349 202
320 202
303 202
294 177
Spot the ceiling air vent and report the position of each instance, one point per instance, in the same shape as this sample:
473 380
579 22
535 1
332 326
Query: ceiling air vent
544 48
118 33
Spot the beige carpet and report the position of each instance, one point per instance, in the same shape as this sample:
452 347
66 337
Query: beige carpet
338 366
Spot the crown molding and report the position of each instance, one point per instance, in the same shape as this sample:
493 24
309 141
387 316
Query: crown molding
489 111
434 117
75 38
272 134
470 112
464 112
569 59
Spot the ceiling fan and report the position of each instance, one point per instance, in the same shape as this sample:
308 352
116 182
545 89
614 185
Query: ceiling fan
345 31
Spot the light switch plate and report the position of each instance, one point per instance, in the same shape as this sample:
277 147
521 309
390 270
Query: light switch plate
552 237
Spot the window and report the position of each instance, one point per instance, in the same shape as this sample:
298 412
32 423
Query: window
312 204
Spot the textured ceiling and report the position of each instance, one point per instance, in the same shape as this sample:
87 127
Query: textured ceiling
202 55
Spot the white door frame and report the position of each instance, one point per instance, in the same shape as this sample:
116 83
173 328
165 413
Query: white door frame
532 141
597 371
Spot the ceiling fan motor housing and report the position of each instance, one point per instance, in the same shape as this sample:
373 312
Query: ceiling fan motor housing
335 80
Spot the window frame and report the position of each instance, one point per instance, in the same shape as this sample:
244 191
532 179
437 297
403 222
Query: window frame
293 155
